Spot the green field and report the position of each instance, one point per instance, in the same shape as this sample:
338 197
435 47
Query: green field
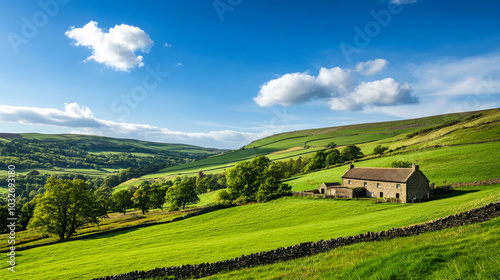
235 231
367 136
447 164
466 252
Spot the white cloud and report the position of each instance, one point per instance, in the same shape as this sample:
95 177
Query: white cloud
371 67
472 75
386 92
115 48
82 120
403 2
452 85
179 64
338 87
167 45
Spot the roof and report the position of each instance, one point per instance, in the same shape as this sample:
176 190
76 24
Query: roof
379 174
329 185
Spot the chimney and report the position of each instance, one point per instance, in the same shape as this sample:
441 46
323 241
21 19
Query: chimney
351 166
415 167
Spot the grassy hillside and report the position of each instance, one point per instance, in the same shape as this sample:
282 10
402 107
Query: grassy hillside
466 252
475 162
235 231
469 127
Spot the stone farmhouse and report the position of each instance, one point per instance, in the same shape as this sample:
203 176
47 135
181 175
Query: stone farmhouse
334 190
404 184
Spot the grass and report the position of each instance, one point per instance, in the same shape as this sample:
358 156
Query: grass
447 164
114 221
466 252
206 198
232 232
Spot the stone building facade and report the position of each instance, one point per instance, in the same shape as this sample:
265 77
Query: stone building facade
404 184
335 190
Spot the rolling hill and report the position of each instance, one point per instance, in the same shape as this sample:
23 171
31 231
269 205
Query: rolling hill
449 149
434 131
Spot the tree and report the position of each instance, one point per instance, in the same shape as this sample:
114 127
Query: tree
351 152
65 206
333 157
157 196
180 194
123 200
245 177
272 188
141 197
379 150
331 145
317 161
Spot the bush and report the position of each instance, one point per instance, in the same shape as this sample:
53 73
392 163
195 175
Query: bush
224 198
400 164
331 145
242 200
33 172
379 150
359 192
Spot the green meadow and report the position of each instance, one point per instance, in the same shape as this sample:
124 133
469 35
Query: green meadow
235 231
466 252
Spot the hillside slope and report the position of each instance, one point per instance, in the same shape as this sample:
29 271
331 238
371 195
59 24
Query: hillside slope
449 129
235 231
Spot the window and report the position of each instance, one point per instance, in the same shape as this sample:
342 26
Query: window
365 184
381 194
397 195
349 182
378 185
398 186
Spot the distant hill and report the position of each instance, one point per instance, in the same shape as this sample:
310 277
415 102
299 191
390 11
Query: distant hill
445 129
75 153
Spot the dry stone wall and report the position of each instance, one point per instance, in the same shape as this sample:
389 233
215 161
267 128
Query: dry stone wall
476 215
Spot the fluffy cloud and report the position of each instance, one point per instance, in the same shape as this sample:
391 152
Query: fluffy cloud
384 92
115 48
337 86
372 67
82 120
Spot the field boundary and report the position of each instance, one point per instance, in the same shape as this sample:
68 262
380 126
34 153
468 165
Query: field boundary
306 249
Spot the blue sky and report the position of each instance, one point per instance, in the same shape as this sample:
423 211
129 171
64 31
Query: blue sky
223 73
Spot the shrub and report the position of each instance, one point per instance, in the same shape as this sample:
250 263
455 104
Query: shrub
359 192
379 149
400 164
33 172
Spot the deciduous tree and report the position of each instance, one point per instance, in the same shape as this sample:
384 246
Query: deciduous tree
65 206
180 194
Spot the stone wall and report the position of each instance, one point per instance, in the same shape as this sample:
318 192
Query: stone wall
311 248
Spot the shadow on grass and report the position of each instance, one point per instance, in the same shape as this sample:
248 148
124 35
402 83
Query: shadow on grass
452 193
